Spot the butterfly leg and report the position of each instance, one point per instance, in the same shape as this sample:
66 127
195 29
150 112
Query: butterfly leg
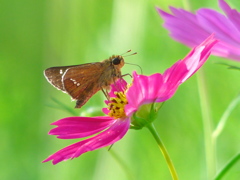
121 77
105 93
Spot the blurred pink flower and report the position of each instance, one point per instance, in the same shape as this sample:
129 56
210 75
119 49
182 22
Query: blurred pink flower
124 102
191 29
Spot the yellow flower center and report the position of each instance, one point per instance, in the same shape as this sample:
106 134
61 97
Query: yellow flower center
116 105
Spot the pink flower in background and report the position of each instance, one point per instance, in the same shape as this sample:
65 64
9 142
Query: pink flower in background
124 102
191 29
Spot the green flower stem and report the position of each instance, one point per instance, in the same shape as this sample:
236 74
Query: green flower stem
227 167
163 150
225 116
207 125
122 164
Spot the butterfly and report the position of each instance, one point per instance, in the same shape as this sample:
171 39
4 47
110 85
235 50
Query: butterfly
82 81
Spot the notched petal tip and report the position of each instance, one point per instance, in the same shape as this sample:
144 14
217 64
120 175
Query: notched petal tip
105 138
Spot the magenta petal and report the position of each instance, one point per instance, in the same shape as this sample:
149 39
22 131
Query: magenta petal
78 127
172 79
175 74
185 68
119 85
106 138
159 88
105 110
198 56
134 94
150 89
232 14
190 29
215 22
144 90
183 26
154 85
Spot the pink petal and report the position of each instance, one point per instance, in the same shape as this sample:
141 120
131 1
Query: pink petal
185 68
183 26
134 95
175 74
190 29
159 88
232 14
105 110
106 138
119 85
213 21
198 56
144 90
78 127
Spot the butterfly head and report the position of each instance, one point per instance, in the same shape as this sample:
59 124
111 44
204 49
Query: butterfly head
117 61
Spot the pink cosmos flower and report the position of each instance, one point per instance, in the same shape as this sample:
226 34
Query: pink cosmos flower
191 29
124 102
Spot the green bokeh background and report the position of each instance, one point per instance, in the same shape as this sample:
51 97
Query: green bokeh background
35 35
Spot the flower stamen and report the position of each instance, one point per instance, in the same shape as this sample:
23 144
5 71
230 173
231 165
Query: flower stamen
116 105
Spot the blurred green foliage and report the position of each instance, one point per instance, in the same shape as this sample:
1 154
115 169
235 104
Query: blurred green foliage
35 35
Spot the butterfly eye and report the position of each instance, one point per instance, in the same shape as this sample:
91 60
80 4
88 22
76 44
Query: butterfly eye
116 61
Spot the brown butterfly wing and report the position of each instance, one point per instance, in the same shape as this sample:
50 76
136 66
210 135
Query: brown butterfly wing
54 76
82 82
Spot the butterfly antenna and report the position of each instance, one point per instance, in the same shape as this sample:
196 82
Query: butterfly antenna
126 52
131 54
136 65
